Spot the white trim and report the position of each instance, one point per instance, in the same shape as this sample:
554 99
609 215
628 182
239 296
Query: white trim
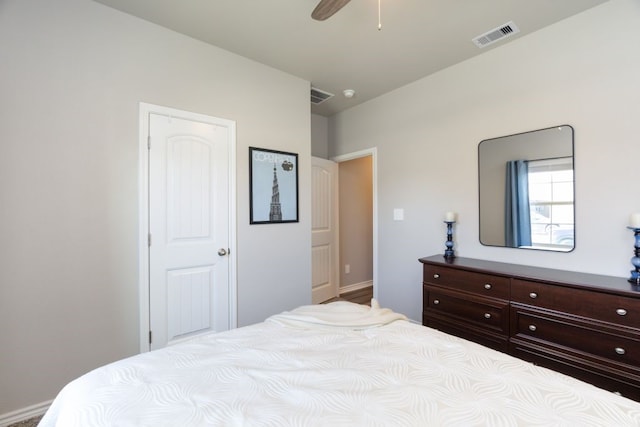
373 152
24 413
143 209
355 287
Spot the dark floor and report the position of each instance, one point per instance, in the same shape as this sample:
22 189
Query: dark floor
361 296
31 422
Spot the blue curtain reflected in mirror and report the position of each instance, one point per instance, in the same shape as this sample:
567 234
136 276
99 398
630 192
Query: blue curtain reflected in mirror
517 210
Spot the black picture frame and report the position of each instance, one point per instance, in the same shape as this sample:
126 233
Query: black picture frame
273 186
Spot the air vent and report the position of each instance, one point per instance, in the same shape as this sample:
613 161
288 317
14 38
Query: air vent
496 34
319 96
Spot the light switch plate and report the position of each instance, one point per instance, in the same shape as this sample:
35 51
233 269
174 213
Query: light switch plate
398 214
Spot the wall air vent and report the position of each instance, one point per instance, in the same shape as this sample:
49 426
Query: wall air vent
319 96
496 34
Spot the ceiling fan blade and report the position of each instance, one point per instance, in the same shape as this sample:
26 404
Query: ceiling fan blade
326 8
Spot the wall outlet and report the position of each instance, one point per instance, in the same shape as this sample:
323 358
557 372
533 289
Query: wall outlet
347 269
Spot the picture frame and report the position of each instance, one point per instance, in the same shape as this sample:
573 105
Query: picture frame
273 186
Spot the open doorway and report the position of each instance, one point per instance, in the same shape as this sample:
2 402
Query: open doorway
358 225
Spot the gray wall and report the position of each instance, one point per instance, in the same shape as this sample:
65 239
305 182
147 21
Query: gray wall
73 73
319 136
582 71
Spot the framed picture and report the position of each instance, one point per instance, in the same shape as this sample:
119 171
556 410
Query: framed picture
273 186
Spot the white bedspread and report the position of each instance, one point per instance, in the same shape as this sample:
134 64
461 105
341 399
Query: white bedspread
334 365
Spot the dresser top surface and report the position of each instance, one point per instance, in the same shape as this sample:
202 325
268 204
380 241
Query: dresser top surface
609 284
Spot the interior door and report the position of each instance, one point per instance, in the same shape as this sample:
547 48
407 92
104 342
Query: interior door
189 228
324 229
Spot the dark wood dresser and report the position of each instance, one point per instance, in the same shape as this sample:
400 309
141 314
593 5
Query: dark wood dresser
584 325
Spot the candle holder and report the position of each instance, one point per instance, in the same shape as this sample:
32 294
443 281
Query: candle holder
449 253
635 273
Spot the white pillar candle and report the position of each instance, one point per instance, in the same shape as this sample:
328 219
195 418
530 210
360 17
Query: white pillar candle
450 217
634 220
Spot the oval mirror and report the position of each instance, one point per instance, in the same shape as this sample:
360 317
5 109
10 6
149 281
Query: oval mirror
526 185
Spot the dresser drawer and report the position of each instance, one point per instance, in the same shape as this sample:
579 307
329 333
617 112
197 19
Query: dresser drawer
600 306
477 283
486 313
469 332
620 381
581 336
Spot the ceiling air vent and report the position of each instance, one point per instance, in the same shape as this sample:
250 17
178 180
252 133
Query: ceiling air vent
319 96
496 34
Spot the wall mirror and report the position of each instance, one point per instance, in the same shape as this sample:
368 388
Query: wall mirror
526 184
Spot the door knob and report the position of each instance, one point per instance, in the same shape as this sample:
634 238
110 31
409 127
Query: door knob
222 251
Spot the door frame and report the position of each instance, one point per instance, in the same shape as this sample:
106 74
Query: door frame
143 212
373 153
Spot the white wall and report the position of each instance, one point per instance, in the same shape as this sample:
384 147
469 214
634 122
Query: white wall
72 74
582 71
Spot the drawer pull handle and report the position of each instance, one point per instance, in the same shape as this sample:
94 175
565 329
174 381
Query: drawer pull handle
436 276
532 328
533 295
487 286
621 312
487 315
620 350
436 301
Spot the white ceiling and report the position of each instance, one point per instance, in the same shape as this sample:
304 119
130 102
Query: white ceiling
418 37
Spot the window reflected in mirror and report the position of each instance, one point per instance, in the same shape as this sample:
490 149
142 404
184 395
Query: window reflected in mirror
526 184
551 202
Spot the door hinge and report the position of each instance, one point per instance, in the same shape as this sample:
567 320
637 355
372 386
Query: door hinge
149 142
150 337
149 239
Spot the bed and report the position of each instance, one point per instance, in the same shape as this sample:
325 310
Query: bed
338 364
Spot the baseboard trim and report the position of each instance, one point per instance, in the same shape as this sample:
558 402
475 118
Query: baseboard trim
24 413
355 287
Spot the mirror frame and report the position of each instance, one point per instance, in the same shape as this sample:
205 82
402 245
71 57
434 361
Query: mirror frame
522 151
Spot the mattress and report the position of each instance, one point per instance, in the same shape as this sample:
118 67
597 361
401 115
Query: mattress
339 364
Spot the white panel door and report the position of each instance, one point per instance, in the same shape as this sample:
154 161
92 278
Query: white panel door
324 229
189 228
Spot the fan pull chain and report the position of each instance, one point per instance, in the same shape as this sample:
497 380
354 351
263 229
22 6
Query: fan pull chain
379 17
